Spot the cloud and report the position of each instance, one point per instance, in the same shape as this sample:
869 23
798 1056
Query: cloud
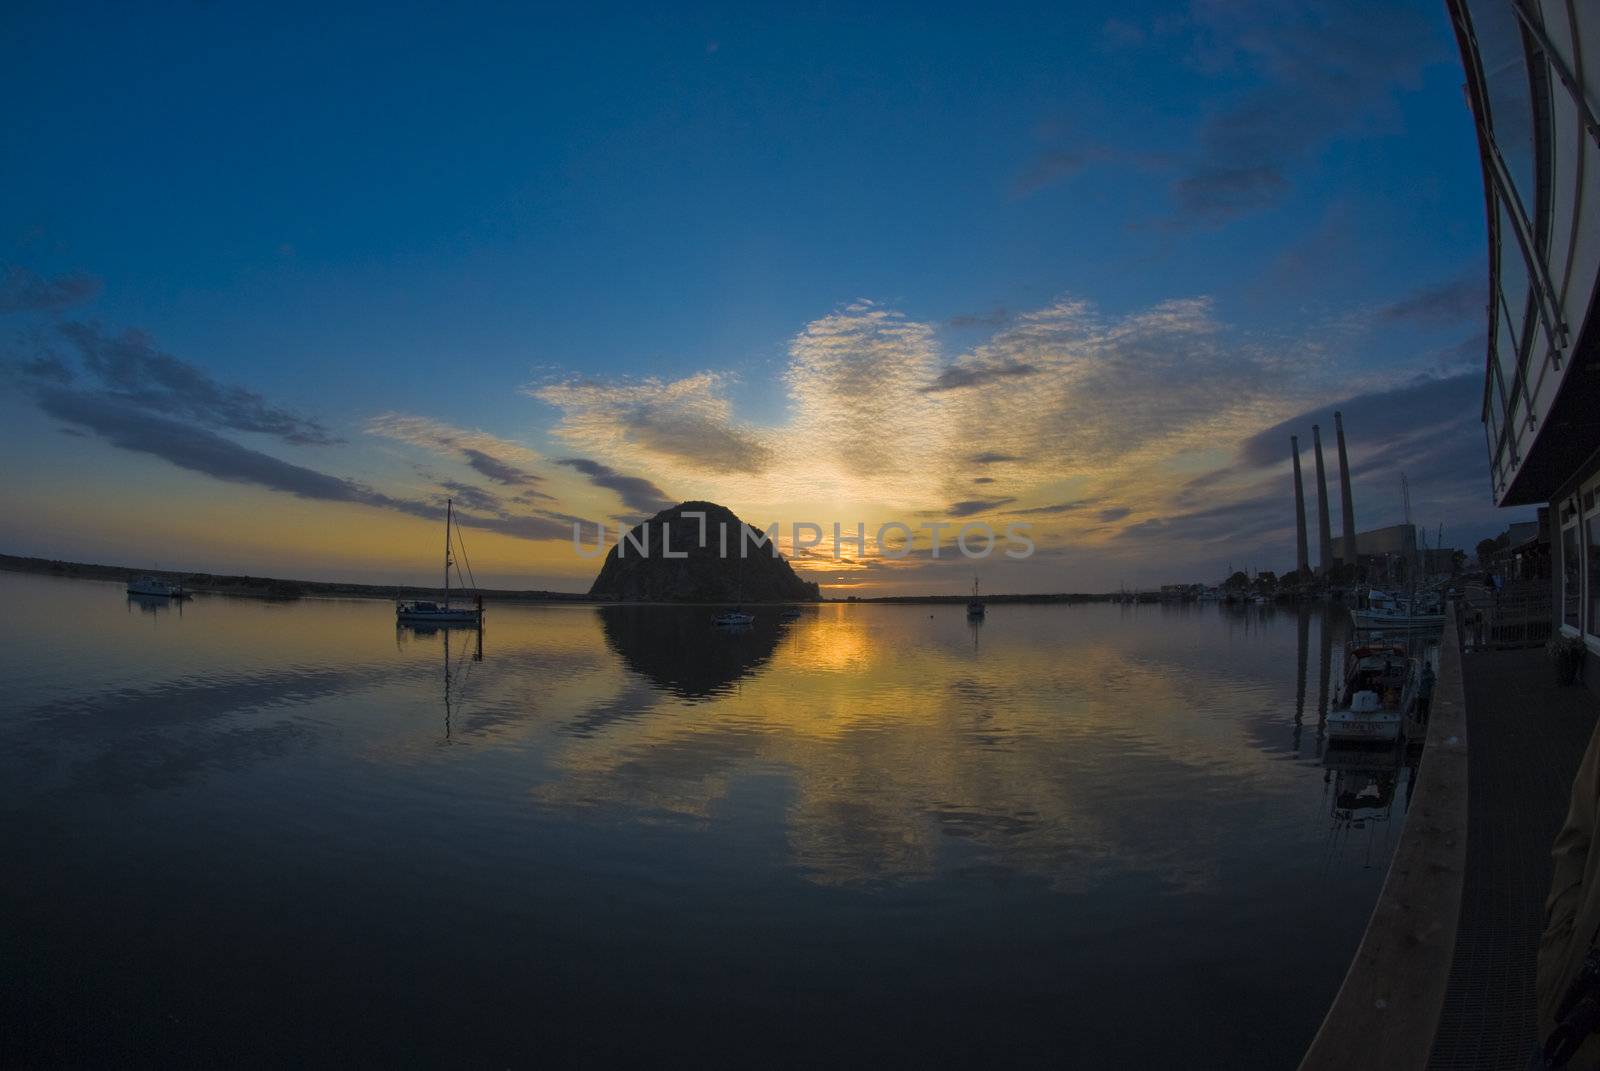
473 497
976 505
1060 393
1312 71
1378 421
637 493
956 378
22 290
1216 194
1049 168
1456 302
1115 513
683 424
130 367
497 459
203 451
1059 507
197 449
47 368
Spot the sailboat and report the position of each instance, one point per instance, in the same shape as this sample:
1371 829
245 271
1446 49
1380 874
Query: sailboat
738 617
151 587
419 612
975 607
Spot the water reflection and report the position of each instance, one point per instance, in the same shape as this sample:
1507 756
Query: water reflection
995 820
469 645
154 604
1363 782
679 651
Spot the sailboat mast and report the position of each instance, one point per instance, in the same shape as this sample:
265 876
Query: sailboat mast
449 506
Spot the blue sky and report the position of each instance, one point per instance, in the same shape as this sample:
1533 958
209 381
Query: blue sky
609 235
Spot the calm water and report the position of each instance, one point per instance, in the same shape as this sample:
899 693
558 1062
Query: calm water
270 832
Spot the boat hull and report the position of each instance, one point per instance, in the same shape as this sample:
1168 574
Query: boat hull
1348 728
456 617
156 589
1378 619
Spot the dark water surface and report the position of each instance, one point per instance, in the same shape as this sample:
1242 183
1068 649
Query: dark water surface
269 833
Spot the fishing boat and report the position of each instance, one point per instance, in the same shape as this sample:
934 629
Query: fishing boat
975 608
152 587
1379 690
422 612
1386 611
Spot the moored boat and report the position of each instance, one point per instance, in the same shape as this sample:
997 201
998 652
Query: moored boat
1386 611
427 612
152 587
1379 689
976 607
734 618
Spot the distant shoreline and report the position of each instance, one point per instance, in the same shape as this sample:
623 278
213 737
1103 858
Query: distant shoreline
264 587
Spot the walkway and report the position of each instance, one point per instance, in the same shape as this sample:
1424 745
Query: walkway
1527 736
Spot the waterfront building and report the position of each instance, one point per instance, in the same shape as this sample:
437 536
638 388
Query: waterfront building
1533 83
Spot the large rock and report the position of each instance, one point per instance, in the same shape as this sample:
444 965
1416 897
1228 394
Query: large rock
704 575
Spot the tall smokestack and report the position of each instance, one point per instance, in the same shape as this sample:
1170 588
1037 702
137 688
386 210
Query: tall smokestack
1346 503
1324 533
1302 558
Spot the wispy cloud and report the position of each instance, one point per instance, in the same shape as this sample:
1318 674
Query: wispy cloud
636 492
200 450
1456 301
686 424
23 290
1314 70
500 460
972 506
1057 507
129 366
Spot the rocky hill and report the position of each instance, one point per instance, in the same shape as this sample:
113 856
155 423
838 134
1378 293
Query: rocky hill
704 575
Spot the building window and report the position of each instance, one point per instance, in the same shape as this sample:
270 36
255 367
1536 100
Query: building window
1594 570
1571 576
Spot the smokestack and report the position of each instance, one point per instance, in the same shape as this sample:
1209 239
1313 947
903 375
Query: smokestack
1323 531
1302 558
1346 503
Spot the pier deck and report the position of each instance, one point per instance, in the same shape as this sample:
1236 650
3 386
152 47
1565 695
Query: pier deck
1528 736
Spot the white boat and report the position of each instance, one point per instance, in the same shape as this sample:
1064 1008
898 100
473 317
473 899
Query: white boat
734 619
1386 611
1379 689
976 608
423 612
155 588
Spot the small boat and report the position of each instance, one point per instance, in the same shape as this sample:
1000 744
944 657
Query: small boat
422 612
791 613
1379 690
155 588
975 608
734 618
1386 611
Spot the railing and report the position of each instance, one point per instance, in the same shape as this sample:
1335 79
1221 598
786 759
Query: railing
1387 1011
1519 615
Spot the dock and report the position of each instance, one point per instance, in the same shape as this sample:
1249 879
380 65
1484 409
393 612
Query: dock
1444 976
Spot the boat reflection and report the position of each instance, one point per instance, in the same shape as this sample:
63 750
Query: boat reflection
1363 782
153 604
677 651
457 668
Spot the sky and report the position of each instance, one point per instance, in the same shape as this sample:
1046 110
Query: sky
276 283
